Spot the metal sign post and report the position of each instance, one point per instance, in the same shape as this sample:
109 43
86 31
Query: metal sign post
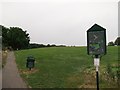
96 64
96 46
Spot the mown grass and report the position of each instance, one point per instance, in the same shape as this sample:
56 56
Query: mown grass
65 67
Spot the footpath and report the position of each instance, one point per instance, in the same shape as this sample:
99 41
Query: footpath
10 75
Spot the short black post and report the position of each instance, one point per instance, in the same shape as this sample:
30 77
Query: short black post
97 75
97 79
30 69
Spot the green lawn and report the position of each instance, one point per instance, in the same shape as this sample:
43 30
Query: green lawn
67 67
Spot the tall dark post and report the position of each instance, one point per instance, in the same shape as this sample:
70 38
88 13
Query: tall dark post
30 69
97 74
97 79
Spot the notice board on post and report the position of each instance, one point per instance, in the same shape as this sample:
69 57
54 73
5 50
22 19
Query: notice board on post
96 40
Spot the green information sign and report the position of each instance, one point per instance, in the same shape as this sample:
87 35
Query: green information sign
96 40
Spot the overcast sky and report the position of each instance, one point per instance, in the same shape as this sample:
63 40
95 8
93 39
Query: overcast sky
61 21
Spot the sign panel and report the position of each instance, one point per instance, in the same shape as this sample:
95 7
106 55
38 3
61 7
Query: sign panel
96 41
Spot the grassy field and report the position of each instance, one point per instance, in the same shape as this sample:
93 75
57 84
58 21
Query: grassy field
67 67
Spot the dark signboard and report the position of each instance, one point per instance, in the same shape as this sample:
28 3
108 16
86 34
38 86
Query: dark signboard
96 40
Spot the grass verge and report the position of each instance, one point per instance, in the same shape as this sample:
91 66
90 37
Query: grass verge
66 67
4 57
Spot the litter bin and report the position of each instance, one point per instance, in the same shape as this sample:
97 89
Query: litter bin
30 62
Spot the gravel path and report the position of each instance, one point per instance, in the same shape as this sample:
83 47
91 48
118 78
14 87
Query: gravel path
10 74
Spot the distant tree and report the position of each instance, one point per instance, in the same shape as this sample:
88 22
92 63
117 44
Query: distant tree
117 41
111 43
34 45
0 37
0 30
15 37
18 38
53 45
5 39
48 45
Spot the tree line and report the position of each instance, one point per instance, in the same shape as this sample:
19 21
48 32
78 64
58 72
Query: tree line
116 42
35 45
16 38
